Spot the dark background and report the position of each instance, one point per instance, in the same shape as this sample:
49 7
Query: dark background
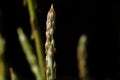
73 19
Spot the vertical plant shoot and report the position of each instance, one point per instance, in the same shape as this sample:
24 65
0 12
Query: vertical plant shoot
50 45
81 56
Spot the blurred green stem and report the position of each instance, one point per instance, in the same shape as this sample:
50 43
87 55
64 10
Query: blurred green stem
13 75
2 65
31 58
37 37
81 56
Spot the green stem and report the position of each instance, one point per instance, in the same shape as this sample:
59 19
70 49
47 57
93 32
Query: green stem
31 58
82 56
2 65
13 75
37 37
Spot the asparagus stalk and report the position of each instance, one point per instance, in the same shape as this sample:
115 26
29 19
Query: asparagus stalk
31 58
50 45
81 56
26 1
2 65
37 37
13 75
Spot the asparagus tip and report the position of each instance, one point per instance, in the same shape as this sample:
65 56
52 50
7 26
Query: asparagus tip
51 6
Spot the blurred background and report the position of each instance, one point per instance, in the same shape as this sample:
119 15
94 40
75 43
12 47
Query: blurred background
73 18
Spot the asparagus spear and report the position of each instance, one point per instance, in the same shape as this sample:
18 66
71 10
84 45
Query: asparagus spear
2 65
31 58
36 35
50 45
81 56
13 75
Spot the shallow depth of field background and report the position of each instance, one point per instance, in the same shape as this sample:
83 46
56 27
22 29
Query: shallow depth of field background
72 19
